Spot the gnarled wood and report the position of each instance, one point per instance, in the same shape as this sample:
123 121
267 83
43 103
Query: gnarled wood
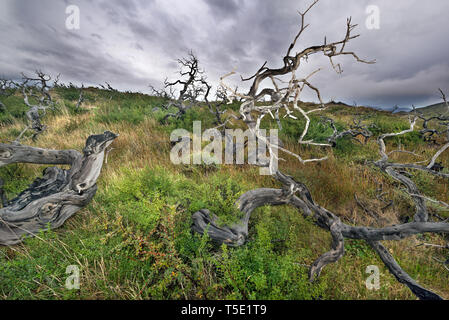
400 275
49 201
296 193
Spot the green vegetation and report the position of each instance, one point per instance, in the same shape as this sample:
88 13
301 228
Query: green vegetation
435 109
15 109
133 241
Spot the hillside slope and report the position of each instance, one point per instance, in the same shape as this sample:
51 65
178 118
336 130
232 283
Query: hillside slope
134 241
439 108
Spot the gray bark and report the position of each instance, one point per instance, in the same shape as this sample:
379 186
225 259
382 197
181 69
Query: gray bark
51 200
237 234
400 274
296 193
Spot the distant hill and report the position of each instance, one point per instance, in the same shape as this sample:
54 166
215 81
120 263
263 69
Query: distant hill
434 109
401 110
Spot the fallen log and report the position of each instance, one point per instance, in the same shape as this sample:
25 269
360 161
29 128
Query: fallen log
49 201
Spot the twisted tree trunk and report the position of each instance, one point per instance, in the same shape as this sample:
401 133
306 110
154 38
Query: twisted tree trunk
296 194
52 199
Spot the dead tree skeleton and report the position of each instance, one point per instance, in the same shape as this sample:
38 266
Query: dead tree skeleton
193 85
81 98
355 130
218 109
51 200
39 89
296 193
430 133
107 87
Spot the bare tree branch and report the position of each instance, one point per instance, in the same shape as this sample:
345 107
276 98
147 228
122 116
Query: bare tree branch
192 83
38 89
296 193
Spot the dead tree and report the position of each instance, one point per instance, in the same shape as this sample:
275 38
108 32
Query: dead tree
296 193
3 86
56 83
218 108
51 200
429 134
192 87
7 87
355 130
108 87
38 89
81 98
161 93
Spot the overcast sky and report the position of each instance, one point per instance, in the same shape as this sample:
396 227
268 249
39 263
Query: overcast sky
133 43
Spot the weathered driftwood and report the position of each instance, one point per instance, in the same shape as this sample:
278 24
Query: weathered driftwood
52 199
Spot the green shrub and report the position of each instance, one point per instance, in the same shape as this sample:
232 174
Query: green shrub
16 177
140 196
15 109
255 271
114 114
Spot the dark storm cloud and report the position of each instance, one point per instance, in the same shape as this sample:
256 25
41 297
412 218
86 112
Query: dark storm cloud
39 40
133 43
222 8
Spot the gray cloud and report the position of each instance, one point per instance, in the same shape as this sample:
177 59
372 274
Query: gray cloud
133 43
223 9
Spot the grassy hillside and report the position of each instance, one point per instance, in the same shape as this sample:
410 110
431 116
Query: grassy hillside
439 108
133 241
